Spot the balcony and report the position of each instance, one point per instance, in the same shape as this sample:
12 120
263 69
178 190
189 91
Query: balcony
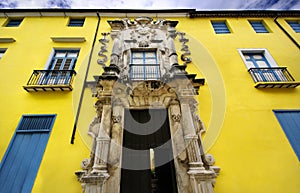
275 77
50 80
144 72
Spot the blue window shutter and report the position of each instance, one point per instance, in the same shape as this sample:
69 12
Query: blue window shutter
295 25
220 27
76 22
14 22
258 27
21 162
290 123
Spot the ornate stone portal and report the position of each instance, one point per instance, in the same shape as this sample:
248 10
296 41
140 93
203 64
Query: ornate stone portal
144 74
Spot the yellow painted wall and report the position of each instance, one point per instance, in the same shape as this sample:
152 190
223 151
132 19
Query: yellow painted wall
30 52
252 149
242 133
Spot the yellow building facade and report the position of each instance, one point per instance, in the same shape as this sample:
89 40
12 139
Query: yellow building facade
56 67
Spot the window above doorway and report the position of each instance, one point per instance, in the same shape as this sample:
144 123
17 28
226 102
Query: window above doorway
144 65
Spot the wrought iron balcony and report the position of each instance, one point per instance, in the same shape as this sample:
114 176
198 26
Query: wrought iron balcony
275 77
50 80
144 72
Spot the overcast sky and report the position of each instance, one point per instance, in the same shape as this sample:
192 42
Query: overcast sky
154 4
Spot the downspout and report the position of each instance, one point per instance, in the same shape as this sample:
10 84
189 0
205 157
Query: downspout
286 33
84 83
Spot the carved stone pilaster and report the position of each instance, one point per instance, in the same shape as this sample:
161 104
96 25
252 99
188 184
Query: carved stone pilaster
115 151
101 154
194 154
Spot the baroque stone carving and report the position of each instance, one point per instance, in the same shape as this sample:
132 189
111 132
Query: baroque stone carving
184 57
176 118
143 33
116 119
103 58
175 91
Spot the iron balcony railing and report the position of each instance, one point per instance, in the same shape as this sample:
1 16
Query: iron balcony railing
272 77
144 72
45 80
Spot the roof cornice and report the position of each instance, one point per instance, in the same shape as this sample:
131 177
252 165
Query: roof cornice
245 13
192 13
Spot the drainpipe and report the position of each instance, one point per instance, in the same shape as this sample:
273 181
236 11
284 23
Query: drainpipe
84 83
286 33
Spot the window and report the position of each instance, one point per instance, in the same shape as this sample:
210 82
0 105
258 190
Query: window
259 26
78 22
290 123
295 25
63 60
2 51
264 70
220 27
22 159
61 68
144 66
14 22
58 75
257 58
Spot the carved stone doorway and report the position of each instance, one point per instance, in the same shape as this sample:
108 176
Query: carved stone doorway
144 170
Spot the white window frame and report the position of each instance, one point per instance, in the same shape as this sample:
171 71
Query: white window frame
48 62
263 51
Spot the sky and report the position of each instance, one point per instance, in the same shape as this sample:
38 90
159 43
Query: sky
154 4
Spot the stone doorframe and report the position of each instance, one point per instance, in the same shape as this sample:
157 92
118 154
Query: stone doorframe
176 91
194 170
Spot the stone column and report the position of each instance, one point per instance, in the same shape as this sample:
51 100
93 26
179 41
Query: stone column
103 140
114 158
179 148
190 136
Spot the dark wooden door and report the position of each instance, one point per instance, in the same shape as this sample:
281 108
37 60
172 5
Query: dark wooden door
145 129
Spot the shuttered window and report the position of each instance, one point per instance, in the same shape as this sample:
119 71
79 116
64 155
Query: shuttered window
76 22
220 27
14 22
290 123
22 159
64 60
295 25
259 26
